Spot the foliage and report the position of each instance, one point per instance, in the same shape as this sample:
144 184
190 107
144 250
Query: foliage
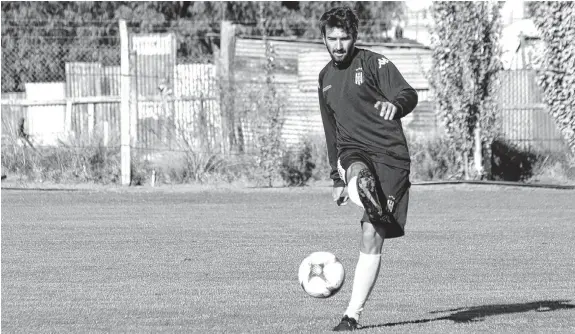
39 37
62 164
301 18
315 143
466 60
298 166
189 143
513 163
555 21
186 166
555 168
270 114
433 159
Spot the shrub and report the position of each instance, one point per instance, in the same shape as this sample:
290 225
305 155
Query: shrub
72 160
61 164
319 157
297 167
187 166
553 167
308 161
433 158
511 163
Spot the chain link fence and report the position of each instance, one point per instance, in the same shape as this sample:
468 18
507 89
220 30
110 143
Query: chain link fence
79 77
65 95
52 62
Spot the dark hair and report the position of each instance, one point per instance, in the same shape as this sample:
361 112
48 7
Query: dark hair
339 17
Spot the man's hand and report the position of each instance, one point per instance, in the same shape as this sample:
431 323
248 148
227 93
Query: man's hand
340 195
386 110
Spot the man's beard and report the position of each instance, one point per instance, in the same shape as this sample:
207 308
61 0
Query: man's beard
341 56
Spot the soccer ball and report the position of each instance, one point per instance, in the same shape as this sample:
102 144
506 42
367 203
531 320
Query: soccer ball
321 275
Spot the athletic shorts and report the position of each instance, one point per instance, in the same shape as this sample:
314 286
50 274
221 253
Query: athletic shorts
393 190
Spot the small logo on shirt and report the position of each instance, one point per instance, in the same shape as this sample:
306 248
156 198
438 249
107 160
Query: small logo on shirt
326 88
390 203
358 78
382 62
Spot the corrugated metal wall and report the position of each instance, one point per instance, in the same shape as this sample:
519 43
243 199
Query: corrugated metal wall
184 114
12 115
250 53
93 79
413 65
525 120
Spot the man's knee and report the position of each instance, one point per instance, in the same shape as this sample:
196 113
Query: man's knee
351 177
372 238
354 169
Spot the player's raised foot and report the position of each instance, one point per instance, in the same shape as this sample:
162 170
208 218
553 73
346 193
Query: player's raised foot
346 324
368 195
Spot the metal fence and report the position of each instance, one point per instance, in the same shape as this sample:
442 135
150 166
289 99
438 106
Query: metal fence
75 98
68 92
524 118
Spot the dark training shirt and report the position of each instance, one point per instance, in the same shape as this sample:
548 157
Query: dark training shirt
347 97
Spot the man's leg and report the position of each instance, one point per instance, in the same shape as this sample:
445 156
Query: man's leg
366 272
368 264
367 268
363 191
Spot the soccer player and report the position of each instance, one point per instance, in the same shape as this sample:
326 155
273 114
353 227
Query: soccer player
362 98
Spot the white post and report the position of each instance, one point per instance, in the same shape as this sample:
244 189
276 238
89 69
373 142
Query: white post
106 136
125 103
227 52
477 154
68 117
133 98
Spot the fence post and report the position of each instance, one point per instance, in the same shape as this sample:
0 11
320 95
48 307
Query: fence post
125 103
133 99
106 136
227 52
68 117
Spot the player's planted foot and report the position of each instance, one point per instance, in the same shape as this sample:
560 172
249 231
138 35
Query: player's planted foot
346 324
368 195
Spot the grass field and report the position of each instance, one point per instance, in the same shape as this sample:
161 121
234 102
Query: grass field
475 259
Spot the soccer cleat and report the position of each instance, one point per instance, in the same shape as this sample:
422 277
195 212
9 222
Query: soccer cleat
346 324
368 195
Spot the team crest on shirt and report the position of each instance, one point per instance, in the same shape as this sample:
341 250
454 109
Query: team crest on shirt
358 76
390 203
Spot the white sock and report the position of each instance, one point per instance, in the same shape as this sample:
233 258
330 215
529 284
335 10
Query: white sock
365 277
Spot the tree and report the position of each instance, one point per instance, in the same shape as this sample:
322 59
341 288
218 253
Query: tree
556 71
270 113
38 38
375 17
466 61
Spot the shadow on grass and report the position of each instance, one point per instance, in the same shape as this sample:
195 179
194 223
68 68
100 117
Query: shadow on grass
38 189
479 313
